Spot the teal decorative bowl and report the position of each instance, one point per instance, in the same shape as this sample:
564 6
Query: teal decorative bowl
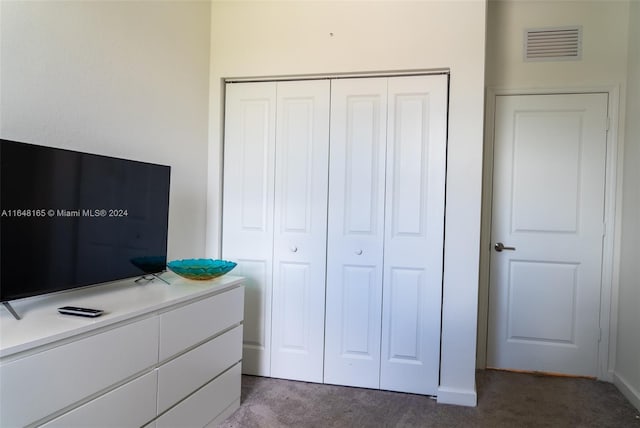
201 269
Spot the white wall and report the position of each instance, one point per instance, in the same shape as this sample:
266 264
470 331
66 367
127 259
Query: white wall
603 66
294 38
126 79
627 368
604 29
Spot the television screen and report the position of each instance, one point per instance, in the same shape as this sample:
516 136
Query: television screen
71 219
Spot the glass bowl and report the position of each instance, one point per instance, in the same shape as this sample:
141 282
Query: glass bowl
201 269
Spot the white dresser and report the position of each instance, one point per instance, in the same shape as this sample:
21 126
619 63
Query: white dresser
161 356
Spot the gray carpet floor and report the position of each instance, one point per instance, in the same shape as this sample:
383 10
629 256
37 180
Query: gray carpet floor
504 400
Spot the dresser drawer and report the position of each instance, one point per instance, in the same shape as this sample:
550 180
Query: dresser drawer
191 324
135 403
179 377
39 385
205 404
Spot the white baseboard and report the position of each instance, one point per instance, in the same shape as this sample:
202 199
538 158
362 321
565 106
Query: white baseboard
460 397
632 394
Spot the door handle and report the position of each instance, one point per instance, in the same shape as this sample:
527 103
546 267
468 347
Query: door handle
500 246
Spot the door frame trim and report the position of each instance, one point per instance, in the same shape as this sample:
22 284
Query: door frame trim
612 208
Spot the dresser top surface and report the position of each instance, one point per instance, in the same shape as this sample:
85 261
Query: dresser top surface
41 324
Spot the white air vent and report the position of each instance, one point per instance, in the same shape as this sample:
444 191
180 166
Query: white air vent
553 44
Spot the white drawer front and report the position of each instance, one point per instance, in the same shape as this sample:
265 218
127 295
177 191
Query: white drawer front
179 377
207 403
38 385
130 405
188 325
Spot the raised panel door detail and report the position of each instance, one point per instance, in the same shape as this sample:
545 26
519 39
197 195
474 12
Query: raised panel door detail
409 179
405 315
358 315
296 164
546 171
300 234
249 157
542 302
414 233
248 208
255 301
292 314
254 165
361 172
355 232
256 340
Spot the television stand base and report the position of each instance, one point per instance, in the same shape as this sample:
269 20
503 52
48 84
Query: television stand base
151 277
11 310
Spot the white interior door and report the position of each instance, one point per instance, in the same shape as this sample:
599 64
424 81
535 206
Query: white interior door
356 232
414 233
548 203
248 199
300 230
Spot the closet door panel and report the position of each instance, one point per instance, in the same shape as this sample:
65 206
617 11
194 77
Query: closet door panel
404 316
355 235
257 322
300 229
414 233
248 203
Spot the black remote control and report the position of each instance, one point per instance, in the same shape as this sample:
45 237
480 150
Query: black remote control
82 312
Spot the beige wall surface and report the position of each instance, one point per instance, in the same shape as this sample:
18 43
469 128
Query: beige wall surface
627 368
125 79
265 38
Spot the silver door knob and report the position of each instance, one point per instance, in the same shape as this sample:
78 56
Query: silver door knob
293 248
358 252
500 246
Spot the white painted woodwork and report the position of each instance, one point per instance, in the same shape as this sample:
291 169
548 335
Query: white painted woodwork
548 203
300 229
355 232
72 371
383 235
135 403
178 377
205 404
414 233
248 204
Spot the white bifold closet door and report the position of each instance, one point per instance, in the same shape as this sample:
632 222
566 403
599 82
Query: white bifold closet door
386 230
300 230
356 232
275 220
414 234
248 202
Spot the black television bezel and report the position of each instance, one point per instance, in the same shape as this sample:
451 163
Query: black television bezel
5 300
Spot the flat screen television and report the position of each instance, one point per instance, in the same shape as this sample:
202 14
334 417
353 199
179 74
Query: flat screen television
70 219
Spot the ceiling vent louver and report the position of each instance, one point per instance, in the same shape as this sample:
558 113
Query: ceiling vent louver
553 44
